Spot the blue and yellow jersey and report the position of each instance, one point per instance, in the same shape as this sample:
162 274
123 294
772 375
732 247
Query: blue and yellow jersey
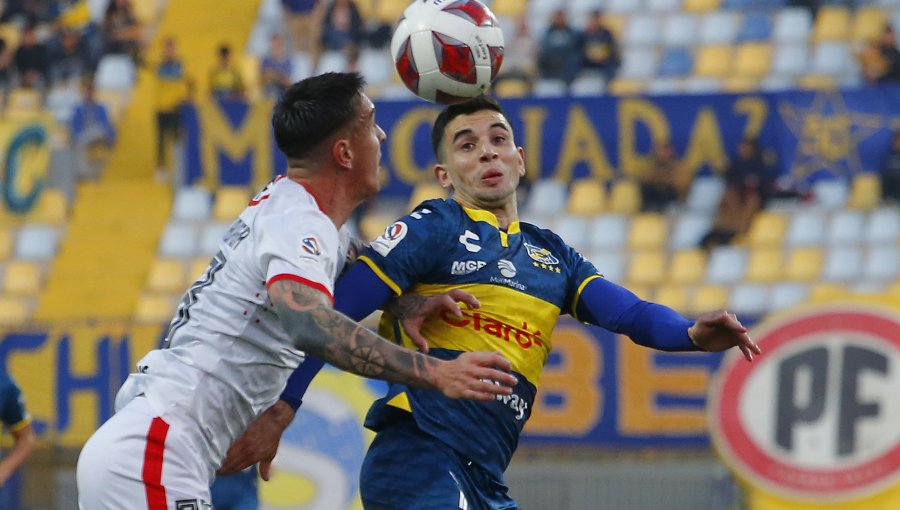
13 414
524 277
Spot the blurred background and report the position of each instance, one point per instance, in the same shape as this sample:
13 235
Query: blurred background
739 154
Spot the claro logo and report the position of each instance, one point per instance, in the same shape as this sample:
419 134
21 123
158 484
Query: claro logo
497 329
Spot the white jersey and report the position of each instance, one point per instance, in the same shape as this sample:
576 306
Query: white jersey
227 356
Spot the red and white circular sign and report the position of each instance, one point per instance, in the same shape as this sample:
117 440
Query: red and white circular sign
816 417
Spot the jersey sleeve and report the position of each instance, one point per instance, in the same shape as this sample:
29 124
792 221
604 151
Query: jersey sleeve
300 245
12 405
582 271
408 247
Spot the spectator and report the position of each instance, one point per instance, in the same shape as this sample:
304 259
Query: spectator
239 491
121 30
70 60
890 170
342 29
662 181
276 69
748 184
560 53
15 418
890 54
91 133
600 50
172 90
518 56
32 60
303 23
6 66
225 79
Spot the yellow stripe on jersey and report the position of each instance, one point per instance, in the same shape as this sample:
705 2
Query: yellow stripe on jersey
21 425
490 218
509 321
578 293
385 278
400 401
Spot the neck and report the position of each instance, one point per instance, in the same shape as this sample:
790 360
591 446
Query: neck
505 213
332 200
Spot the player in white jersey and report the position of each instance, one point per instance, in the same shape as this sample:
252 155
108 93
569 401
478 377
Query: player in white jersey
262 304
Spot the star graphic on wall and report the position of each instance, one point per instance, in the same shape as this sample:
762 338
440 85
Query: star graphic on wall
828 134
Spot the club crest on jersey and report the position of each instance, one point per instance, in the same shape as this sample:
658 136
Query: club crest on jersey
541 255
311 246
390 238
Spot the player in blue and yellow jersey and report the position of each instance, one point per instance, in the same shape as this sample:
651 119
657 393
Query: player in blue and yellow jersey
15 418
431 452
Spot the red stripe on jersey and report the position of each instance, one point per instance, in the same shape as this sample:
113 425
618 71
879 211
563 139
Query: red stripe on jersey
153 464
309 283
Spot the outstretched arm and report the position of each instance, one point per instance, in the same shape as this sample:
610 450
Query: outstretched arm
24 443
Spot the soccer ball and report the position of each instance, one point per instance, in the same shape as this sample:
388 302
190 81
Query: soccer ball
447 51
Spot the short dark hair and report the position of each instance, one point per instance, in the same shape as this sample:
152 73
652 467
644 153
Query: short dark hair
449 113
313 109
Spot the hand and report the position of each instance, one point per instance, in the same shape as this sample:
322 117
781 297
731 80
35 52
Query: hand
476 375
413 309
718 331
259 443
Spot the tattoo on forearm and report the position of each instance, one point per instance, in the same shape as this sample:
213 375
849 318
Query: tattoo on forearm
321 331
407 305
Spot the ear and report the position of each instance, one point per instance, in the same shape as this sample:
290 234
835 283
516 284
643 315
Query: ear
442 176
342 153
521 165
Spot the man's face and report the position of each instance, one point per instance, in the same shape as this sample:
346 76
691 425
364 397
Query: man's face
481 160
366 141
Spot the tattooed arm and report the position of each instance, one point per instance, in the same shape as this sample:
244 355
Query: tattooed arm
412 310
321 331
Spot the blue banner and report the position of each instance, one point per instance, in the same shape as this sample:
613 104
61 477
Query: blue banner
814 135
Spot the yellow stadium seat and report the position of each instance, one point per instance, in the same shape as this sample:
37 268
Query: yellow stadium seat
51 208
688 266
389 11
6 244
832 24
625 87
740 84
250 71
372 225
868 23
365 8
707 298
641 291
804 264
22 278
648 231
511 87
24 102
817 82
166 276
587 197
154 309
230 202
425 191
13 311
701 5
625 197
752 59
674 296
767 229
509 8
893 289
196 268
865 191
713 61
764 265
646 268
823 291
146 11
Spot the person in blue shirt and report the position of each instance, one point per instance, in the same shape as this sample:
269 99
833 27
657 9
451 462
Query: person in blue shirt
517 279
91 132
15 418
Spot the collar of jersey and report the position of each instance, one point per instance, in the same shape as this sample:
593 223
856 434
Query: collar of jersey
490 218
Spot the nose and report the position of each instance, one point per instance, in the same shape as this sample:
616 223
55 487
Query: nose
488 152
382 136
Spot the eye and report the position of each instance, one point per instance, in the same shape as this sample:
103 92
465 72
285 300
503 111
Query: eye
499 139
467 146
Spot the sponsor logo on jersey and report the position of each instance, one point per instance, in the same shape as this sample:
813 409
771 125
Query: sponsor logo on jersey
311 246
507 269
541 255
466 240
495 328
464 267
390 238
509 282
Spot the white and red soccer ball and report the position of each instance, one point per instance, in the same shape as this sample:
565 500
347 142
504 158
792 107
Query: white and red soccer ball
447 51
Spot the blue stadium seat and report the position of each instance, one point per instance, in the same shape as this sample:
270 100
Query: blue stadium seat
736 4
679 30
792 25
757 27
676 62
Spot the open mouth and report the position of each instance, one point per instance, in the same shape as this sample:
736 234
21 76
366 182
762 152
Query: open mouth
492 177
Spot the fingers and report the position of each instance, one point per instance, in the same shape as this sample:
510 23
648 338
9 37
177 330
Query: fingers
265 469
461 295
417 339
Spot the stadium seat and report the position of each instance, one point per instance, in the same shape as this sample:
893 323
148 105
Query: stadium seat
764 265
707 298
767 229
166 276
846 227
624 197
618 6
792 25
679 30
786 294
641 30
804 264
842 264
807 227
676 62
727 264
115 72
6 243
719 27
648 231
573 230
700 5
192 203
425 190
196 268
830 193
510 87
52 208
376 65
608 232
704 193
587 197
688 229
155 309
749 299
179 240
301 66
817 82
547 197
757 26
332 61
736 4
752 60
688 267
714 61
548 87
790 60
676 297
36 242
638 63
668 85
373 224
588 84
741 84
646 268
626 87
229 203
662 6
881 263
831 59
826 291
868 22
22 278
702 85
882 226
510 8
14 311
211 234
832 24
865 191
610 263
